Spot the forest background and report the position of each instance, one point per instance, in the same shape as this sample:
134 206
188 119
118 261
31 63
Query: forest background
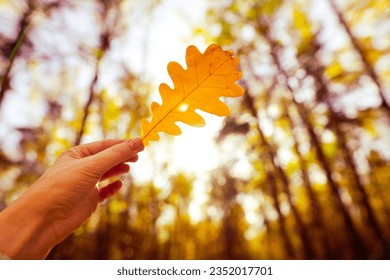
300 170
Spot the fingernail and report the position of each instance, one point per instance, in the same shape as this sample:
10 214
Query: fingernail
137 144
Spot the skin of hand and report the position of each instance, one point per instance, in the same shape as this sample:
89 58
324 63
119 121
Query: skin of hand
64 197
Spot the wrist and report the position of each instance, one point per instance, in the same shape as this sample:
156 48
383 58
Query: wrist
24 229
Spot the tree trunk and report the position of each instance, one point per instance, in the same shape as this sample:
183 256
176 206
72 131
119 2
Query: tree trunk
317 219
105 40
271 180
24 25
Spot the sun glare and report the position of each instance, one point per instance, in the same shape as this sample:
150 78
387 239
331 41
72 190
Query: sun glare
183 107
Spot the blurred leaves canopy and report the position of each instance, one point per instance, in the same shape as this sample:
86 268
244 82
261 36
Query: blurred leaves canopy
300 170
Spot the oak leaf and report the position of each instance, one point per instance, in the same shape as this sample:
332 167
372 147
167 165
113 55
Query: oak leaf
208 77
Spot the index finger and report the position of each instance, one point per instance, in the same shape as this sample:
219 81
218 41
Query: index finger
98 146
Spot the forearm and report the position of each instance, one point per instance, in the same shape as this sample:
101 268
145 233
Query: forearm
24 230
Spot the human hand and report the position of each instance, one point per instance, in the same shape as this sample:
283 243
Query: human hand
64 197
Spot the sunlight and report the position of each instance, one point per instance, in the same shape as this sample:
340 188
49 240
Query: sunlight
250 203
183 107
266 125
199 198
195 151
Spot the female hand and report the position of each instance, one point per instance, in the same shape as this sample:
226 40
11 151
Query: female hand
64 197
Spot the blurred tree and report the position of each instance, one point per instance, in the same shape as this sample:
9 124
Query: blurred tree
12 48
364 54
109 15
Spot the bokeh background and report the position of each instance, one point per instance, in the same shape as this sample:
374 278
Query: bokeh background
300 170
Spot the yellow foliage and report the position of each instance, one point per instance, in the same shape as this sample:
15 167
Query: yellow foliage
208 77
334 70
302 24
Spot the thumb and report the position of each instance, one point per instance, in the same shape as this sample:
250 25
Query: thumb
118 153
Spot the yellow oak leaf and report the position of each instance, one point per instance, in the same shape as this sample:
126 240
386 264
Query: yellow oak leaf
208 77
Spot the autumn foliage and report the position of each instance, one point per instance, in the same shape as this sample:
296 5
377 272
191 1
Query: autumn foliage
208 77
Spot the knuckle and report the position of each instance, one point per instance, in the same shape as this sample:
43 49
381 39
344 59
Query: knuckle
72 152
118 149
